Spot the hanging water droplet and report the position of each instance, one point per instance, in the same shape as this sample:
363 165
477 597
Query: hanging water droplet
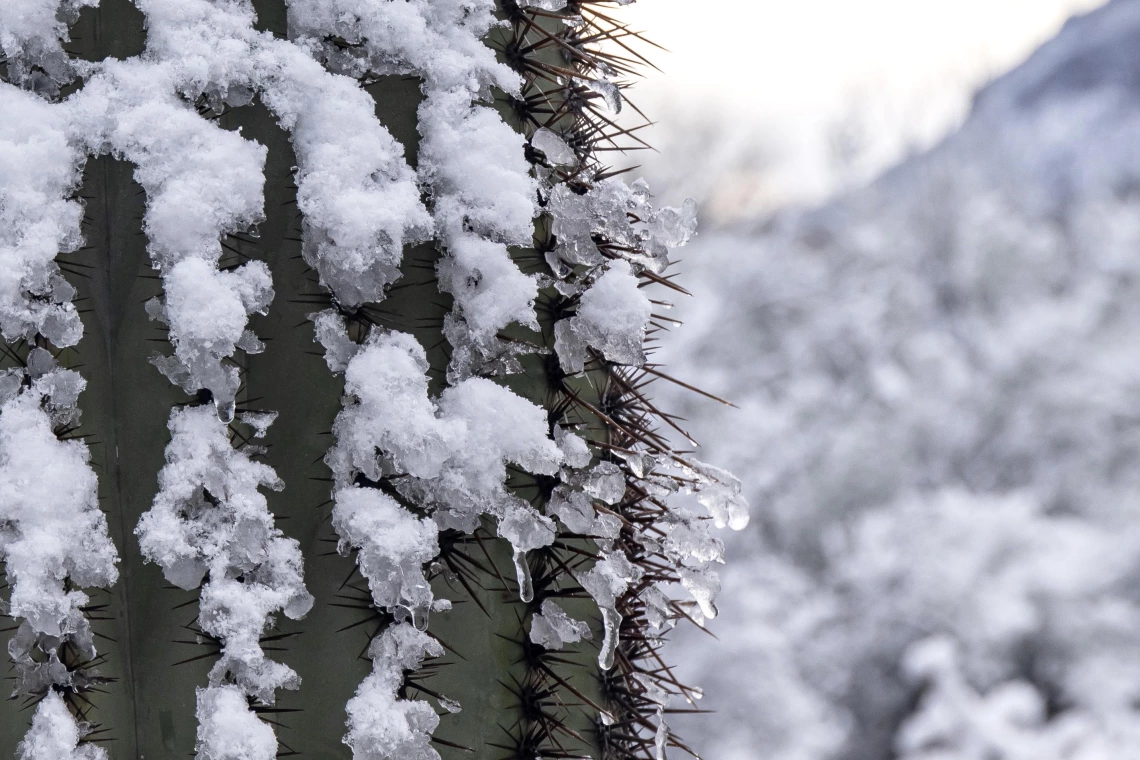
522 571
253 232
420 618
225 409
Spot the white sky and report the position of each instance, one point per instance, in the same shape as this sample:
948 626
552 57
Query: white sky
785 72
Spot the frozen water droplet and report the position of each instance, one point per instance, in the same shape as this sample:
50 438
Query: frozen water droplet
420 618
522 571
225 409
450 704
557 152
609 92
611 621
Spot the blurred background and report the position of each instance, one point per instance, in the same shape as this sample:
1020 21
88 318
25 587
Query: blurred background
918 277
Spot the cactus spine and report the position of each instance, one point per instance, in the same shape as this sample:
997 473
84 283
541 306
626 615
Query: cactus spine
457 536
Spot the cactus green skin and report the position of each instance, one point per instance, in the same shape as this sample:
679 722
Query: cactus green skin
145 627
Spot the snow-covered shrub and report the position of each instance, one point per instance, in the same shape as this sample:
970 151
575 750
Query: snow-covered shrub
938 378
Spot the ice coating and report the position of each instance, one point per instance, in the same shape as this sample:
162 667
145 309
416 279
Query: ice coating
553 147
552 628
32 33
719 491
572 501
56 735
612 318
381 726
625 216
452 453
209 521
39 169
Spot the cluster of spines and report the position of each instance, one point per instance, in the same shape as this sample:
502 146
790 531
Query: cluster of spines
559 54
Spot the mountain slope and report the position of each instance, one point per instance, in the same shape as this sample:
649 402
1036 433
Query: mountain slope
939 377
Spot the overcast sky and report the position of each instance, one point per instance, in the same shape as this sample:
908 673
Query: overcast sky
787 80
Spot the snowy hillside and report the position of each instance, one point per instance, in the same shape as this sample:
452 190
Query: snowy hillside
939 378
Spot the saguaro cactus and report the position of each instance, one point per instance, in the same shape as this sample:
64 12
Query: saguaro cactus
324 428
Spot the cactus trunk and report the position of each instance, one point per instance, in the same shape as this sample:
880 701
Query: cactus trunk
507 672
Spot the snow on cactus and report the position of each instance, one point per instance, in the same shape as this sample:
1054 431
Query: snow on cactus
489 416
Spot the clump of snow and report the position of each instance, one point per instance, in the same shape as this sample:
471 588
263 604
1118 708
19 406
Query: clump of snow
229 730
38 220
552 628
472 163
356 192
209 520
32 33
381 726
392 544
439 40
359 198
52 532
56 735
612 318
452 453
201 182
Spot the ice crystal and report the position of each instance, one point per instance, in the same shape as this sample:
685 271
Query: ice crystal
552 628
